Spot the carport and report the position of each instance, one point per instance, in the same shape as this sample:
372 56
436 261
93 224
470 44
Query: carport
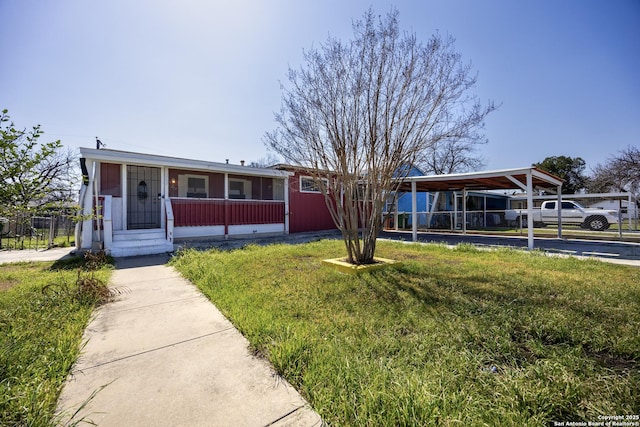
526 179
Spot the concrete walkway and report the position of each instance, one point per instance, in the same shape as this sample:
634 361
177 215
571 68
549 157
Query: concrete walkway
167 357
52 254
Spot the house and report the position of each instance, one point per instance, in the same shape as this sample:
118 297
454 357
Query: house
307 207
628 209
146 202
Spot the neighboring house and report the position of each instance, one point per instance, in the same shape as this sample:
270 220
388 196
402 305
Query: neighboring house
146 202
438 210
628 210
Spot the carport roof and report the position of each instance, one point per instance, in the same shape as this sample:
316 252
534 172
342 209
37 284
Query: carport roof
505 179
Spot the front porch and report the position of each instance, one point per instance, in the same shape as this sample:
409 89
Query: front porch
137 204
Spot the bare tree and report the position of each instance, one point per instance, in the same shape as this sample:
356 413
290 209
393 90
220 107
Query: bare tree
358 112
619 173
451 156
269 159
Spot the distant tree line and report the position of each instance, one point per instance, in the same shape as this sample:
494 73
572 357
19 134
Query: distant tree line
620 173
33 175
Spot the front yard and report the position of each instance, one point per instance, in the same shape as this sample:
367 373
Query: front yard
453 337
44 308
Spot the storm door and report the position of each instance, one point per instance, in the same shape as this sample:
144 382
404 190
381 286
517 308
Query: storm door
143 197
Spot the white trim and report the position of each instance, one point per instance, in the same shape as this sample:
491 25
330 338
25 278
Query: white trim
249 229
307 177
247 190
125 200
198 231
107 155
184 187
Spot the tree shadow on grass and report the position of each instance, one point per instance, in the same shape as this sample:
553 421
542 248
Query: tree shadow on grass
89 261
527 319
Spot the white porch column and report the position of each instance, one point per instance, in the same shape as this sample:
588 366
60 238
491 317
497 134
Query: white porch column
125 199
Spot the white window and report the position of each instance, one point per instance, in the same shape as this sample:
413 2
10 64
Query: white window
195 186
309 185
239 188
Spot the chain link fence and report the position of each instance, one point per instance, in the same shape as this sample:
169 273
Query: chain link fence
611 216
37 231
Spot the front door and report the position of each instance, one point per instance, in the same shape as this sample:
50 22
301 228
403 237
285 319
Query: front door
143 197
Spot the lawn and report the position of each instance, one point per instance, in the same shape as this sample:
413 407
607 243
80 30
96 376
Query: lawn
42 317
453 337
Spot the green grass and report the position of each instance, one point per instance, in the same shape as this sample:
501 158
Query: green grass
454 337
42 318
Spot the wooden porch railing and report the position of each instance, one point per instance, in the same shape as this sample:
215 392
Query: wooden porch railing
210 212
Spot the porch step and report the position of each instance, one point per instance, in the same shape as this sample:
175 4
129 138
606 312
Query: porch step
139 242
132 235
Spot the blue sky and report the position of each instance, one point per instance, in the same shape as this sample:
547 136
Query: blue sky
201 79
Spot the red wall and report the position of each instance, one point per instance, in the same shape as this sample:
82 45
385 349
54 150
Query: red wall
110 178
307 211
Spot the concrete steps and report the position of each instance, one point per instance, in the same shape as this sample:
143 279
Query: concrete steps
139 242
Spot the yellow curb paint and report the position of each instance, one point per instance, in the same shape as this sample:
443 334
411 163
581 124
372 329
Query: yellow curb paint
344 267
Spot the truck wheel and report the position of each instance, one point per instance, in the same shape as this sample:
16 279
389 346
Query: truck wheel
597 223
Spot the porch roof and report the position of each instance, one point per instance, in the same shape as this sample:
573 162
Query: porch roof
128 157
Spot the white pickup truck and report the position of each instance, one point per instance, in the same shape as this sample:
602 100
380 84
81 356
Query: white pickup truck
572 213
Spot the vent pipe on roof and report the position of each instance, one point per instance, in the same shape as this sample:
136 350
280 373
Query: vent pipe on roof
241 162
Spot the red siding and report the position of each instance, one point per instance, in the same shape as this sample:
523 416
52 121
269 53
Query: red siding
191 212
110 179
207 212
255 212
307 211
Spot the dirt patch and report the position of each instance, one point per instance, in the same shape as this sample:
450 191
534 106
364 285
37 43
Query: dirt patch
7 284
614 362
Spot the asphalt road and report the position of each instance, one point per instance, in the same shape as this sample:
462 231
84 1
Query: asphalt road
628 253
